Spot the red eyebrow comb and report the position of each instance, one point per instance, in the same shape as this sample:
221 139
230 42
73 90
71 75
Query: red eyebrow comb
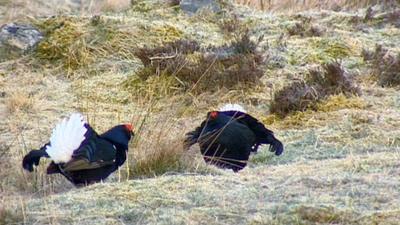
213 114
129 127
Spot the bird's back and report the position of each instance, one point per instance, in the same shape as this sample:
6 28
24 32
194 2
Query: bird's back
227 144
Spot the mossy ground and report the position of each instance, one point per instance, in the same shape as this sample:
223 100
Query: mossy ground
340 165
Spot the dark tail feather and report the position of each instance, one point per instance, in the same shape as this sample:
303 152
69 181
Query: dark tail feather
33 158
276 146
190 139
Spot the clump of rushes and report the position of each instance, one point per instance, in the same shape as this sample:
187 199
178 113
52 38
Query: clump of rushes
330 79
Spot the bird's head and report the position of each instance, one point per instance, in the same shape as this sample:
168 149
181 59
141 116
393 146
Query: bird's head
119 135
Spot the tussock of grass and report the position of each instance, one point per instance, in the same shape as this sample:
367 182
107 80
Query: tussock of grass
332 79
64 41
327 49
157 156
76 43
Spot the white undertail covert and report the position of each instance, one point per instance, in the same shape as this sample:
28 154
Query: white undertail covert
232 107
66 138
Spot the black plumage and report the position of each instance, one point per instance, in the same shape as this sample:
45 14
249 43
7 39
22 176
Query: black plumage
227 138
94 160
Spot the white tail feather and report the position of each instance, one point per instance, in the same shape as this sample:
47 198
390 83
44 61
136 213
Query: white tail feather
66 138
232 107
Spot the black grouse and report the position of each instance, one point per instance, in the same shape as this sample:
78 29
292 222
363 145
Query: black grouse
227 137
80 154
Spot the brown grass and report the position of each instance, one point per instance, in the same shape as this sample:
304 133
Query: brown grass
159 152
296 5
20 101
340 164
10 216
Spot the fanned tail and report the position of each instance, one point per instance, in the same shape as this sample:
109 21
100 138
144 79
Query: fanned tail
232 107
66 138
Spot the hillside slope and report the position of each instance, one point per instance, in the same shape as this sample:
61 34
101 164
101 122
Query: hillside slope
353 190
341 161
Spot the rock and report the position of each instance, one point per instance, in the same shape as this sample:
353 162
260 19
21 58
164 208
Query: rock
192 6
16 39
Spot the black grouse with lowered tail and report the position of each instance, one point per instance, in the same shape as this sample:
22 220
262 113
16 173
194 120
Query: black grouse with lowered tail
80 154
228 136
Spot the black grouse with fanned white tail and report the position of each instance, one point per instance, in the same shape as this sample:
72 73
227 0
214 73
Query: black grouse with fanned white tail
80 154
228 136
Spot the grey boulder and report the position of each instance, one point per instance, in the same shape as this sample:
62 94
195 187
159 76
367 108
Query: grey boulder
192 6
16 39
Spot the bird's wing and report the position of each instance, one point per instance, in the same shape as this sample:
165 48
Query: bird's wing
96 149
94 154
263 135
84 164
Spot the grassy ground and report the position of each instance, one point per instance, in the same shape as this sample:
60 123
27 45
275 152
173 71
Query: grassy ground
340 166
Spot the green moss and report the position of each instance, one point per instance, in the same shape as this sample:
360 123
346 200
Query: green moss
325 50
166 33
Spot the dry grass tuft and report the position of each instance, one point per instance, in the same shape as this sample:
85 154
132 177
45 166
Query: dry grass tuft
198 70
10 216
114 5
158 155
320 83
325 214
75 43
20 101
385 65
296 5
158 149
